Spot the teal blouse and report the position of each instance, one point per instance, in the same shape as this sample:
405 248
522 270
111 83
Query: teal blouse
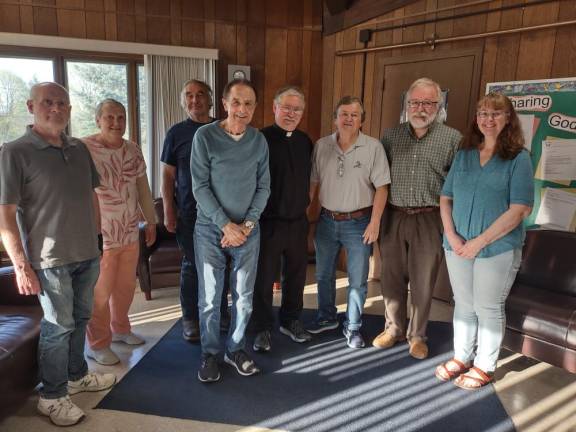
481 194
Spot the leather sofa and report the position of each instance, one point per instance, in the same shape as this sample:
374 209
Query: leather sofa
159 265
541 307
19 332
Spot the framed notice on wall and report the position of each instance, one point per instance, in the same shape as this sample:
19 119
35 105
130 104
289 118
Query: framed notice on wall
547 112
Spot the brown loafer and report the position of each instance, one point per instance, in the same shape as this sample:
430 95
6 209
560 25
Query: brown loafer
386 340
418 349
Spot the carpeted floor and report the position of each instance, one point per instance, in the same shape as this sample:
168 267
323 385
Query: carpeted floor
322 386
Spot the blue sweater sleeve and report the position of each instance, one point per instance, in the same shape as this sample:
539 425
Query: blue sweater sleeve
200 168
262 183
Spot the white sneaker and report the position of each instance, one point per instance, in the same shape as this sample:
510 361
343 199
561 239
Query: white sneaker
127 338
92 382
104 356
62 411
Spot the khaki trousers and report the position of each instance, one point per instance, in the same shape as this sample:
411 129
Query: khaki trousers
411 249
113 295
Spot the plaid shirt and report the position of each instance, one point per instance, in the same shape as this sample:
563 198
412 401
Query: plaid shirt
418 166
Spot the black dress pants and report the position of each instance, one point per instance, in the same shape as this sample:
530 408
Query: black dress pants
283 247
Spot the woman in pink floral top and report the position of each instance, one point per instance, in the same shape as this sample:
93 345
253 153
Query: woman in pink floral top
123 196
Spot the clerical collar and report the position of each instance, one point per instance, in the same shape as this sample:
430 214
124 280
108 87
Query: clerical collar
288 134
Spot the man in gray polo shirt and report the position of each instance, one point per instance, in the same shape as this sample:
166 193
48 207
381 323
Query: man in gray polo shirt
350 173
420 154
48 224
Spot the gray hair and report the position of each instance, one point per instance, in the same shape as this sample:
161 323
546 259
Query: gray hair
34 89
426 82
289 90
202 84
349 100
107 101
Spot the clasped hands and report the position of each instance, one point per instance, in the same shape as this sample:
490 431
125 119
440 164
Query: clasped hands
234 235
466 248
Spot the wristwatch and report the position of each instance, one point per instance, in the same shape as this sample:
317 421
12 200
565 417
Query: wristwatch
249 225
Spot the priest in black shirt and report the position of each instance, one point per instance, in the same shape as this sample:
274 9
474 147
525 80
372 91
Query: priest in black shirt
283 225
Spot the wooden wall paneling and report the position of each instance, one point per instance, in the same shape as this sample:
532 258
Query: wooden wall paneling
338 65
176 22
110 5
126 24
95 25
126 6
71 23
305 57
275 68
398 34
537 47
358 69
110 20
430 28
328 82
413 33
315 99
241 44
94 5
72 4
210 34
10 18
508 46
295 17
226 43
158 30
444 29
193 9
256 12
256 58
193 33
470 25
141 29
348 63
368 91
277 13
157 7
564 60
490 48
294 57
381 39
27 19
241 9
45 21
225 10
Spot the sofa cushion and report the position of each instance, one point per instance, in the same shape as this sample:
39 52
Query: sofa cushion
166 258
542 314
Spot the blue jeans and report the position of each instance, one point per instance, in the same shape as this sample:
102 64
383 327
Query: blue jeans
481 286
211 262
330 236
188 273
66 297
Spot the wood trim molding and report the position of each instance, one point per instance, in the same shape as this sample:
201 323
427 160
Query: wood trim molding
77 44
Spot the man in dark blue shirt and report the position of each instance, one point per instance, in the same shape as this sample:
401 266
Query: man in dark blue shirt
179 202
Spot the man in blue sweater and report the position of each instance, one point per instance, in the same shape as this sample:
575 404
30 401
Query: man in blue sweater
231 184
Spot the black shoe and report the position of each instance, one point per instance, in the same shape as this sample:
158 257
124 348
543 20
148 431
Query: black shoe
209 371
295 330
190 330
243 364
262 342
322 326
353 338
225 322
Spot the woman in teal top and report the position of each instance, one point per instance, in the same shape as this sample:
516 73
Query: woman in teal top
488 192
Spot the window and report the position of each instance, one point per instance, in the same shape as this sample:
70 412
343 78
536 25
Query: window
143 118
17 76
89 83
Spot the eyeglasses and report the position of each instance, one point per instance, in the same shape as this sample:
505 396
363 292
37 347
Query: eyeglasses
494 115
426 104
340 168
286 109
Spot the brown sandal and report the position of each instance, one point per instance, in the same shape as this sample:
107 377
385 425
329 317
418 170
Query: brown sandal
468 382
445 374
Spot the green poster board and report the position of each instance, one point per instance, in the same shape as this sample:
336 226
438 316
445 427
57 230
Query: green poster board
547 109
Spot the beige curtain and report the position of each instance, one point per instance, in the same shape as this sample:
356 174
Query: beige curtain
165 76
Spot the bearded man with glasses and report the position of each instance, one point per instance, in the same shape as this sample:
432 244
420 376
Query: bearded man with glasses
420 152
350 173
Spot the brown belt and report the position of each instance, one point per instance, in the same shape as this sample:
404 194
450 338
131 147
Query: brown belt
414 210
340 216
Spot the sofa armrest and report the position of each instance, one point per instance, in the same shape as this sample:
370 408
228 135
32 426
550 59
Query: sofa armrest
9 295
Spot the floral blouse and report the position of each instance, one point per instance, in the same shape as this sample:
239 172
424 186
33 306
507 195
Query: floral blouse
117 195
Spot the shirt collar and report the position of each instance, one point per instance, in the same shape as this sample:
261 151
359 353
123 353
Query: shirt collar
360 142
41 144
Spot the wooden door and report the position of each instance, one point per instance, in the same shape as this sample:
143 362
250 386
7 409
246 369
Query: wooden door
457 72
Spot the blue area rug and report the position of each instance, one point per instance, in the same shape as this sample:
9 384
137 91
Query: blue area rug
322 386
